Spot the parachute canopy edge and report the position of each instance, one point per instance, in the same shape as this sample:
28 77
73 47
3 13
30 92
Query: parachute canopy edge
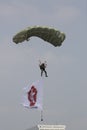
50 35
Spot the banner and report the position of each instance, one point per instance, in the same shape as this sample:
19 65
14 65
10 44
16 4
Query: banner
33 95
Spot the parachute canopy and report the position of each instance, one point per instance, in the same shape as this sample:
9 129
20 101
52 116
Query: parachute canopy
51 35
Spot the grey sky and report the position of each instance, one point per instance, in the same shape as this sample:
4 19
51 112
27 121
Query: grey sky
65 89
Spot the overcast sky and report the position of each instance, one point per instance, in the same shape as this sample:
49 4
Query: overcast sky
65 88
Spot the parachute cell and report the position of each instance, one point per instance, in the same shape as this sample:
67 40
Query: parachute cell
51 35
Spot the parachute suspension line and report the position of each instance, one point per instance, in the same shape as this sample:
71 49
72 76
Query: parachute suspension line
41 115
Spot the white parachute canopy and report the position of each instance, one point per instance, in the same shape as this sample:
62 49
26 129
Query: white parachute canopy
33 95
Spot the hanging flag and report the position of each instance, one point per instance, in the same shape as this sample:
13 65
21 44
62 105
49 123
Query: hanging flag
33 95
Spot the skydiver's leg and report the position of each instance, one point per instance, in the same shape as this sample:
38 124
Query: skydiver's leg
45 73
41 73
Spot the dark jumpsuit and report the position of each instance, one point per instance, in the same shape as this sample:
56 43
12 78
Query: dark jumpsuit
42 67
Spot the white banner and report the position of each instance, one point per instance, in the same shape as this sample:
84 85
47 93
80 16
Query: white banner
33 95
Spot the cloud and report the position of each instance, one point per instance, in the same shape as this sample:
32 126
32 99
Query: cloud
33 14
67 13
62 14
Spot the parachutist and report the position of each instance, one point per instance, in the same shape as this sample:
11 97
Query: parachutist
42 68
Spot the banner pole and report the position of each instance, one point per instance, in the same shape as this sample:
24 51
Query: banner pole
41 115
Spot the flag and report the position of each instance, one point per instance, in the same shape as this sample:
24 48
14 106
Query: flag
33 95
